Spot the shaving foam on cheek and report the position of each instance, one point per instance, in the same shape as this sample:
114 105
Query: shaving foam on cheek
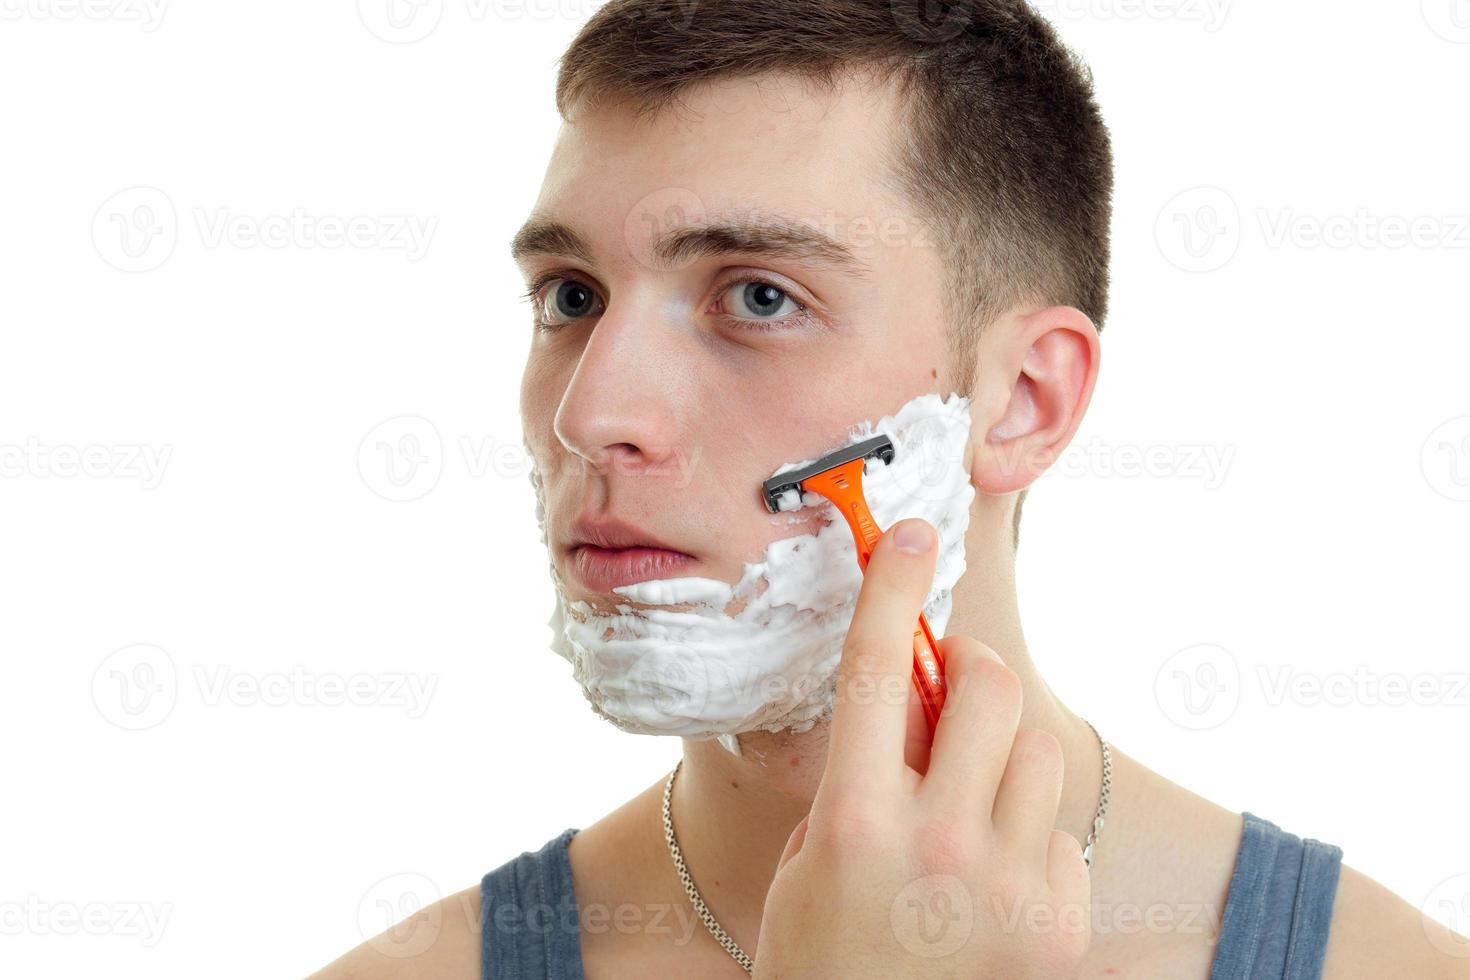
699 657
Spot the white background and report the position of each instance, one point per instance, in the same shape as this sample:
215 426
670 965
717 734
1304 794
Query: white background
186 778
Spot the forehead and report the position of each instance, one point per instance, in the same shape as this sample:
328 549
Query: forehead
770 145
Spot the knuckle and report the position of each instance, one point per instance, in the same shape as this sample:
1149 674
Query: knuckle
982 650
847 825
1037 751
970 649
863 656
847 814
1004 680
943 848
1000 684
1008 885
974 677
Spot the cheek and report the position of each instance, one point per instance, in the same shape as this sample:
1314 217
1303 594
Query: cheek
541 393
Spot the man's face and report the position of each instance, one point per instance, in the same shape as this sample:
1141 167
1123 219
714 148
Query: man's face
664 387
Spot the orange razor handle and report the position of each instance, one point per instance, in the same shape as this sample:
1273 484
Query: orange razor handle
843 485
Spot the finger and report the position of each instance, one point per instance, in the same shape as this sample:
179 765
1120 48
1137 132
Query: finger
1025 811
1066 872
916 745
870 709
1070 882
972 743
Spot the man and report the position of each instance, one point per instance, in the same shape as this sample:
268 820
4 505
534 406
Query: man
765 221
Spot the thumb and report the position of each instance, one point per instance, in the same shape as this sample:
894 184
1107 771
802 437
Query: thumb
793 844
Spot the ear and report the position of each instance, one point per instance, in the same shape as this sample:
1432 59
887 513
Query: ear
1034 379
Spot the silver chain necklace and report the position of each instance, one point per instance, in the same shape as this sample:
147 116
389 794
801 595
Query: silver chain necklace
722 937
733 948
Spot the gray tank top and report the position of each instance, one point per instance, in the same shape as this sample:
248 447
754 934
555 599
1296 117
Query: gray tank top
1274 926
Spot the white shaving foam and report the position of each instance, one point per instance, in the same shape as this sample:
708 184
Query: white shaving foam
711 660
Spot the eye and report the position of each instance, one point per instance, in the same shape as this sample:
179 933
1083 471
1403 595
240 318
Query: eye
563 300
757 300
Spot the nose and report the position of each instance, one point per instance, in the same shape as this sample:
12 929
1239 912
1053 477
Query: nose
620 411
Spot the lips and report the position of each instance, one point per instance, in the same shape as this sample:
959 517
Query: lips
606 553
604 569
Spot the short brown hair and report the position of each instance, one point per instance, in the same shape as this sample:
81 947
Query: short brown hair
1006 156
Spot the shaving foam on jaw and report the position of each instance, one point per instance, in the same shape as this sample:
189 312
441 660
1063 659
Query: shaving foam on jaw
702 658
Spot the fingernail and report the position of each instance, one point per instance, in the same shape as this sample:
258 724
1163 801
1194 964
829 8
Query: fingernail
915 537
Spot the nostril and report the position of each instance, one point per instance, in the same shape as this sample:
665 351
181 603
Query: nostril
621 456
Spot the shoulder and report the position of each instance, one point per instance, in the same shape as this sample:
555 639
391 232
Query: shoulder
447 939
440 941
1375 933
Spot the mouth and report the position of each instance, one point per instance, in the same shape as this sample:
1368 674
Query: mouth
604 569
606 553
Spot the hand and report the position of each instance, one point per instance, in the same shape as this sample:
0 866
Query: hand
953 872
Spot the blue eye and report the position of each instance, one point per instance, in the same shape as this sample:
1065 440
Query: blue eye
566 299
759 300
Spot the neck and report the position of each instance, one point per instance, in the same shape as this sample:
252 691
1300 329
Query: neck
733 815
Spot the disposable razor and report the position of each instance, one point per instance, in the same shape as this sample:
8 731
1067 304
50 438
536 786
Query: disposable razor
838 476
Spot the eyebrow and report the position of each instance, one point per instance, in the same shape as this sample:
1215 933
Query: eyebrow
765 235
